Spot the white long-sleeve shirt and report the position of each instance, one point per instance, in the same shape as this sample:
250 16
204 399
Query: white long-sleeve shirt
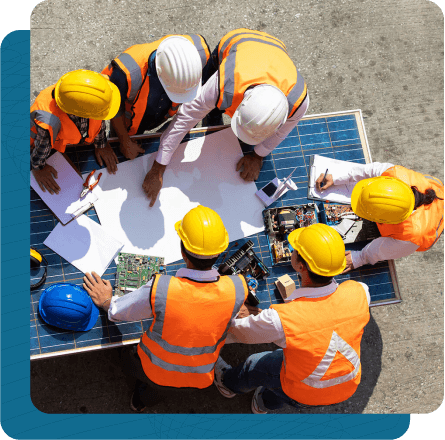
190 113
382 248
136 306
266 327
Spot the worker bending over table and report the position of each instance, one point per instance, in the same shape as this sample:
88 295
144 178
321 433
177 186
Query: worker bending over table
153 79
407 206
191 311
72 113
251 78
318 320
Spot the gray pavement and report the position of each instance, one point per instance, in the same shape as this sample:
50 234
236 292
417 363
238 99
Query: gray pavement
382 56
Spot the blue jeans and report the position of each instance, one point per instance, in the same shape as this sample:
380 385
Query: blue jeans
260 370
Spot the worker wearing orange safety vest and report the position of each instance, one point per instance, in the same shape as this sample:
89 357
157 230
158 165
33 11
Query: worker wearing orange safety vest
191 311
319 330
72 112
251 78
154 78
407 206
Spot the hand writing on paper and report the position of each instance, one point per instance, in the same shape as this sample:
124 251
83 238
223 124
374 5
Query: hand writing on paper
153 182
251 166
106 155
349 265
100 290
329 181
45 178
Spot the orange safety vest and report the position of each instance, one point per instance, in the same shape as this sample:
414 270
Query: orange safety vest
134 63
190 324
247 58
63 131
425 225
321 363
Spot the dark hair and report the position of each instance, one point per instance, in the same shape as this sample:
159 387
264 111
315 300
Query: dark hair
199 263
424 198
315 278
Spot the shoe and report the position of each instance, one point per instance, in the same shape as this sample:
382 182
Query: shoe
257 405
136 403
220 367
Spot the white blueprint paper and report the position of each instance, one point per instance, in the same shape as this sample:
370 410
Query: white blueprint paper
202 171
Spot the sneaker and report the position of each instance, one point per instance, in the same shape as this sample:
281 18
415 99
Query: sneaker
136 403
257 405
220 367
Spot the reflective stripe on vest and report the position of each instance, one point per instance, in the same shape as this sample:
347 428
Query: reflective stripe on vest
134 70
48 119
201 50
226 101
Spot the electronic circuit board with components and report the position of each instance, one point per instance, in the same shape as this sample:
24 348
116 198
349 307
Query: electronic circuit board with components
280 222
133 271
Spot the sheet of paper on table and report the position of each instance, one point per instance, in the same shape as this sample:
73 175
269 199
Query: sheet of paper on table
85 244
202 171
65 204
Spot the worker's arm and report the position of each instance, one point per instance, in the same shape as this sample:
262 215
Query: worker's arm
188 115
133 306
357 173
380 249
44 174
266 147
103 151
257 329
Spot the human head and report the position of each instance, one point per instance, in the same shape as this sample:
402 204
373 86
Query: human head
321 248
383 199
87 94
263 110
179 68
202 233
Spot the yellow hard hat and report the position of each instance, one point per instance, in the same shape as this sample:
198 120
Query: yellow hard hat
87 94
383 199
321 247
202 232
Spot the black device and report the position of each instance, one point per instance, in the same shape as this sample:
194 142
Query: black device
245 262
36 260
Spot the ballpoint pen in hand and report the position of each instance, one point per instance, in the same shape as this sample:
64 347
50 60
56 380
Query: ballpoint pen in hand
323 182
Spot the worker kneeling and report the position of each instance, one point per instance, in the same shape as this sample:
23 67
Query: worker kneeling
319 331
191 311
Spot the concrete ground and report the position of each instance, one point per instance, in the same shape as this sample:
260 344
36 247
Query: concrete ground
382 56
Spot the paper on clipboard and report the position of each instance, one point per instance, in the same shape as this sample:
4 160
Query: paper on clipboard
338 193
67 204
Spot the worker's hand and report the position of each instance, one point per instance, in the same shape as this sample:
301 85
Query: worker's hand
131 149
100 290
153 182
328 182
106 155
45 178
251 166
349 265
247 310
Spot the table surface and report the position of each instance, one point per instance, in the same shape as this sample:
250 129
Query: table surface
339 136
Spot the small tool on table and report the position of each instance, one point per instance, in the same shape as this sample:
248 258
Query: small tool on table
86 183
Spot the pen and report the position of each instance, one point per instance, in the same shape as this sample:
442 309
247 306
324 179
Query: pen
323 182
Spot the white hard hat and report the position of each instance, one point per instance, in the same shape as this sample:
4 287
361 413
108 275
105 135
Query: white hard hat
179 68
261 113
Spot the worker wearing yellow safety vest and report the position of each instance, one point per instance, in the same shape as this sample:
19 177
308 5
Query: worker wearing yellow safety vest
191 311
407 206
319 330
72 112
251 78
154 78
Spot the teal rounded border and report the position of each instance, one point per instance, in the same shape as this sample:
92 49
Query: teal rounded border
19 418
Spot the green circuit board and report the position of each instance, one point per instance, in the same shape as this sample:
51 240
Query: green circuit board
133 271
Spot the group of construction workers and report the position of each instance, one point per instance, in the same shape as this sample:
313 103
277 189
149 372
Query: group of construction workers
249 77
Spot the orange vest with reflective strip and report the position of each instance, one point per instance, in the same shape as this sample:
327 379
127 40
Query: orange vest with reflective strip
134 63
247 58
425 225
190 324
62 130
321 363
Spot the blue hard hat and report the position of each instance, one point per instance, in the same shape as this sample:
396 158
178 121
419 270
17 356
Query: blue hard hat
68 306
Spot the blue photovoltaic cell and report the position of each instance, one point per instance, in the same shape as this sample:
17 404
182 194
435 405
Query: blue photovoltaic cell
334 136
